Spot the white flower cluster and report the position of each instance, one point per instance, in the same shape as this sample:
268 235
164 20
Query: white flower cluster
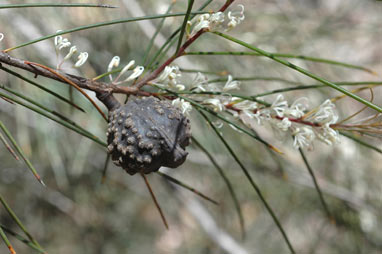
169 78
114 63
61 43
303 125
305 128
215 21
218 101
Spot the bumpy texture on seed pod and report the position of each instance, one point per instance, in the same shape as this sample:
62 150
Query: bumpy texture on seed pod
147 133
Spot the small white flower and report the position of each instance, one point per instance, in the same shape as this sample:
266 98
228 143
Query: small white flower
199 83
1 36
245 105
231 84
326 113
297 109
328 135
72 50
126 68
184 106
114 63
216 104
169 70
279 105
170 78
60 42
81 59
284 124
202 22
235 18
136 73
303 137
210 21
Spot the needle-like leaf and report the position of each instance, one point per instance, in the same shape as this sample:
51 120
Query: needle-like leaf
21 152
252 182
282 55
301 70
100 24
184 25
22 239
18 221
6 241
227 182
9 6
41 87
60 121
181 184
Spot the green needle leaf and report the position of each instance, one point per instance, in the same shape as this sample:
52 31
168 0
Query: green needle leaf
282 55
181 184
173 37
301 70
227 182
151 43
41 87
8 6
184 25
22 239
21 153
252 182
62 122
320 195
9 148
6 241
18 222
100 24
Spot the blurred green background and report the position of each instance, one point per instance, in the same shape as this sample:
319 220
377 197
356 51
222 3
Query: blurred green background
78 214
